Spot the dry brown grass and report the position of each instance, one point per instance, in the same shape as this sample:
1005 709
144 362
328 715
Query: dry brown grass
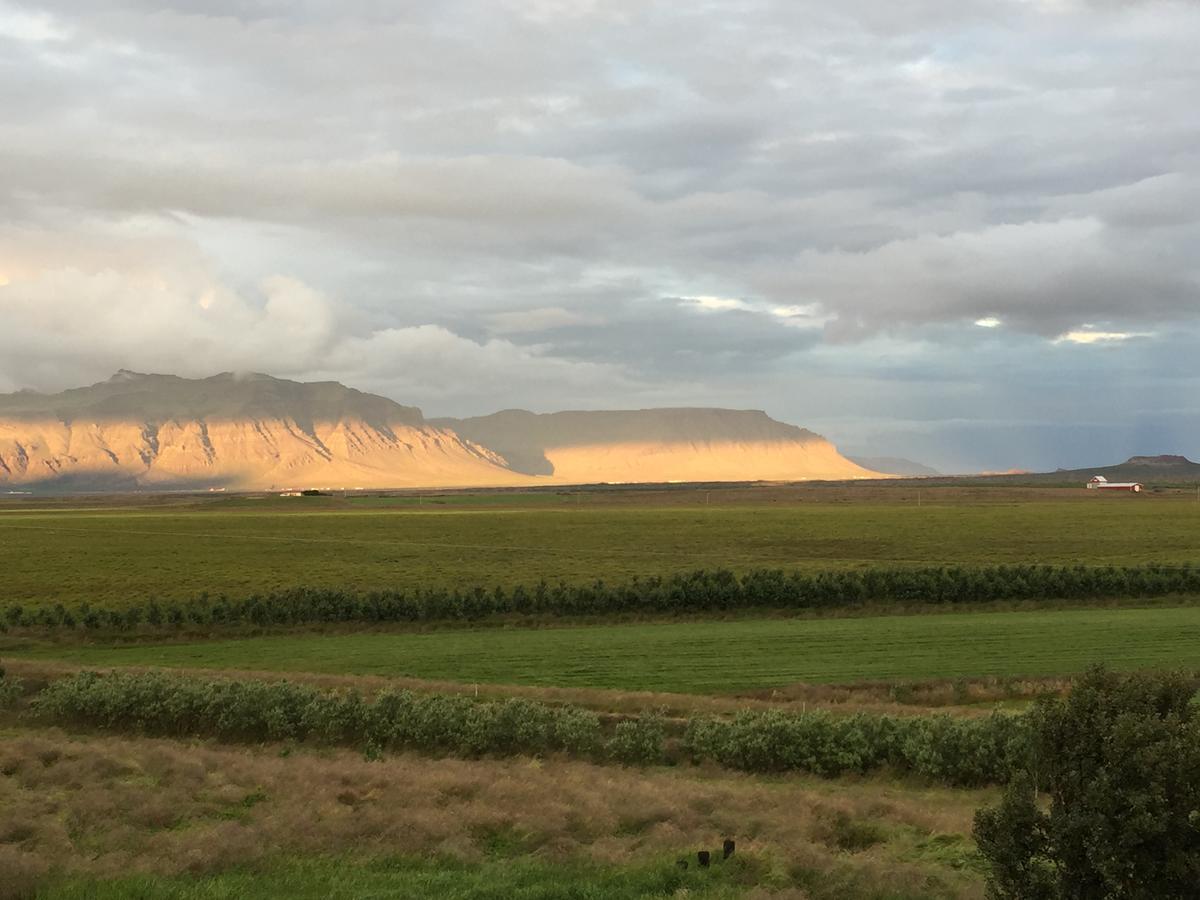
959 696
109 805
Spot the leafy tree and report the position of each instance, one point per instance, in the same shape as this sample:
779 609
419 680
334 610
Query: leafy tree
1119 763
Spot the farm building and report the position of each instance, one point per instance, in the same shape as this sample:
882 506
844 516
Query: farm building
1099 482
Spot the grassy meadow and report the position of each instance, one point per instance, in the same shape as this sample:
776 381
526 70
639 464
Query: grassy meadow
50 553
127 816
345 878
85 813
707 657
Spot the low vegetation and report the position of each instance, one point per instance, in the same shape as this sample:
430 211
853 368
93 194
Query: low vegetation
154 703
939 748
349 878
701 591
10 689
99 816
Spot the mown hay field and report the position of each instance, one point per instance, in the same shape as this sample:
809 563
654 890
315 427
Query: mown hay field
123 553
709 657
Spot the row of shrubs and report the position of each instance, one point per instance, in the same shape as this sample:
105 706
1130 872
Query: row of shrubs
703 590
941 748
160 704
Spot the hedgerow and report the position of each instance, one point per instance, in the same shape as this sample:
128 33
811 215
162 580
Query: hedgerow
704 590
155 703
940 748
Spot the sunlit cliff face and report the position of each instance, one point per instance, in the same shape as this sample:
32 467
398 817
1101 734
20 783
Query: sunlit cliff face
253 432
258 454
629 462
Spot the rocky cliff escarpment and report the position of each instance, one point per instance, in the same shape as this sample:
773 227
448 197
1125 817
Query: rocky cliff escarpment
255 432
657 445
237 432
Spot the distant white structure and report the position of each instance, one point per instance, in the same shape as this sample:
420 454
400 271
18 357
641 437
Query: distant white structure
1100 483
299 494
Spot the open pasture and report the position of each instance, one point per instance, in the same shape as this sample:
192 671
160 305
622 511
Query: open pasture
711 657
125 551
95 816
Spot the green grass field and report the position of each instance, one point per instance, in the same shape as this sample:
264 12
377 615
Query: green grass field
318 879
238 546
128 804
712 657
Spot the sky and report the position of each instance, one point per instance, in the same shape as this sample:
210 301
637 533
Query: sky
965 232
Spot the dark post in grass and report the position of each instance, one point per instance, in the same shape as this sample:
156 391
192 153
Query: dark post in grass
703 857
728 848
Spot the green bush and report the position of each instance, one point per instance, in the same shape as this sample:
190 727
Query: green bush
638 741
939 748
155 703
699 591
11 689
1119 762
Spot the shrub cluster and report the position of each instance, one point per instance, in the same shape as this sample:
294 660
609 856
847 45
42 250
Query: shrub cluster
700 591
10 689
155 703
941 748
1111 806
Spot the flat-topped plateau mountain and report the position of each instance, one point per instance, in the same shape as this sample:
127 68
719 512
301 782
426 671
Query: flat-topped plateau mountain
255 432
237 432
656 445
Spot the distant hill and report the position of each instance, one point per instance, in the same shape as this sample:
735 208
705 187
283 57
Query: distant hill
1153 470
893 465
1165 469
656 445
255 432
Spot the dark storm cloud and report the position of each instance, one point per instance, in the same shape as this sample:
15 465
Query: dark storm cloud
412 196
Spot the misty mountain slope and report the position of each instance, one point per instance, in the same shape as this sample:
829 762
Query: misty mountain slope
653 445
252 432
894 465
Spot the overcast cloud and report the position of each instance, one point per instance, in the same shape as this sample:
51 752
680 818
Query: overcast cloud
960 230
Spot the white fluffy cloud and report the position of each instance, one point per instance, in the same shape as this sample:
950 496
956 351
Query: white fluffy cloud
69 327
470 204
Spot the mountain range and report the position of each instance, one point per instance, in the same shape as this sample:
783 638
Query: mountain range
256 432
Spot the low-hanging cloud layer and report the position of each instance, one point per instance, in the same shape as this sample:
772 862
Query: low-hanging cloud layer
961 230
